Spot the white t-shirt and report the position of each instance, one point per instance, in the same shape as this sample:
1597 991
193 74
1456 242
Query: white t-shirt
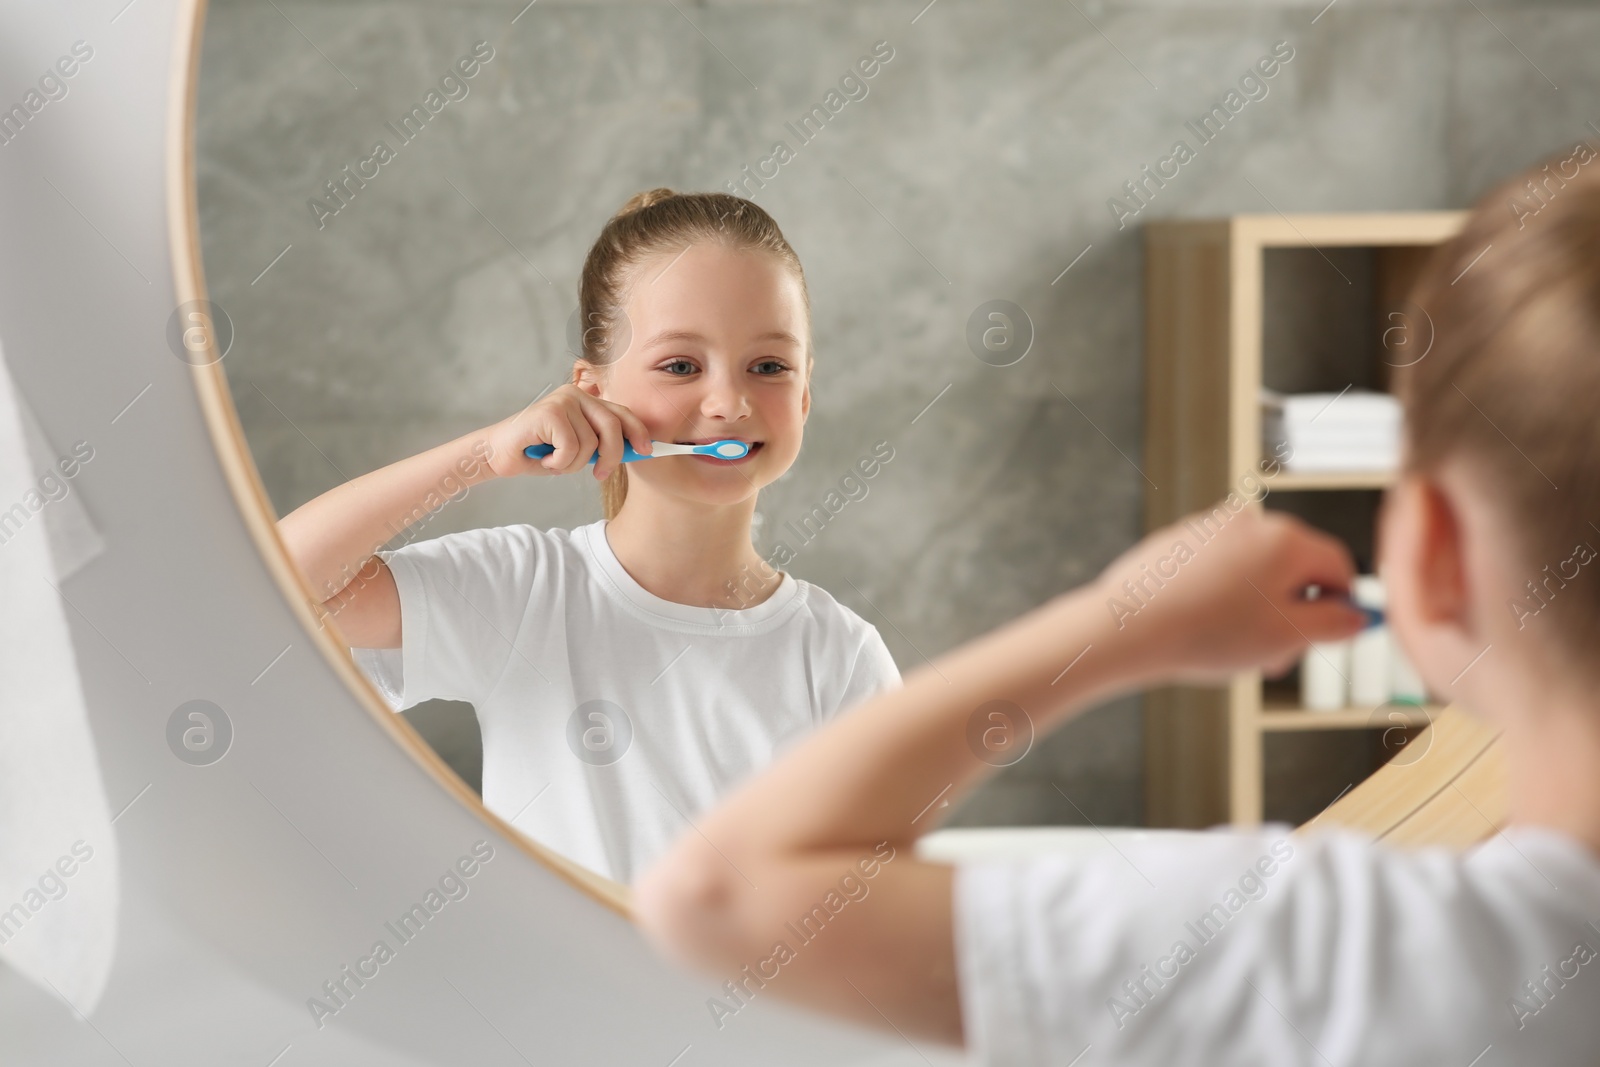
611 717
1233 948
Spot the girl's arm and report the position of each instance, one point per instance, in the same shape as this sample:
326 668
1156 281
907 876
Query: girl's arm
333 537
731 890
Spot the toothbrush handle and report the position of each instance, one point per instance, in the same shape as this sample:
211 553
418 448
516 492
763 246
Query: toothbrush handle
540 451
1375 616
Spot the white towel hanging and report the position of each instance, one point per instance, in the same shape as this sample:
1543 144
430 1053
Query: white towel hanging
59 880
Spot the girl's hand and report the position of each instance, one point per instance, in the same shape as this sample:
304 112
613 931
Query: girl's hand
576 423
1210 597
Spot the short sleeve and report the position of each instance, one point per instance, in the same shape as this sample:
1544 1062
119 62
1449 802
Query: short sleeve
873 672
463 597
999 1026
1235 947
382 667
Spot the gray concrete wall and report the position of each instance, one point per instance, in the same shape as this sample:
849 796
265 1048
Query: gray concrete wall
977 167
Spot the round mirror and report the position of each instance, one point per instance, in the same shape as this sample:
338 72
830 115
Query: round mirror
400 209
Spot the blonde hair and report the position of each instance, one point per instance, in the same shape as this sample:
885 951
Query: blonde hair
1513 378
660 221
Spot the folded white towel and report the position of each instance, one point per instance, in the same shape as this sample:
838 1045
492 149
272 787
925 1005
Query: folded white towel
58 858
1357 430
1353 407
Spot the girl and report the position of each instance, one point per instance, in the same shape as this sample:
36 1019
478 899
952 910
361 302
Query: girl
1242 946
628 672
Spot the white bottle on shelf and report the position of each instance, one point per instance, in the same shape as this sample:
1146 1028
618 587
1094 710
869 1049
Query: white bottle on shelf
1323 674
1369 652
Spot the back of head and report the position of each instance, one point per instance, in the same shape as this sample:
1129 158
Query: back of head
1511 383
654 223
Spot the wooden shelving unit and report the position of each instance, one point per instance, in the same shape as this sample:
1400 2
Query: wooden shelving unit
1204 329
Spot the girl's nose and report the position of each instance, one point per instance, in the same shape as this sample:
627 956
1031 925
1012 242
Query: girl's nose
724 399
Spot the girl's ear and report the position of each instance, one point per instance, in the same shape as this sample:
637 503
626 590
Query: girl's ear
1422 557
584 377
1441 563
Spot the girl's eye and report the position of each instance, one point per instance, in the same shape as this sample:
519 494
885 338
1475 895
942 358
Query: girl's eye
679 363
778 366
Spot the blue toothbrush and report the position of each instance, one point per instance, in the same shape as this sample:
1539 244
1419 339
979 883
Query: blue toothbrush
1375 616
725 449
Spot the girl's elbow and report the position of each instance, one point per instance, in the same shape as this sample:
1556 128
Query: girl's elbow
685 906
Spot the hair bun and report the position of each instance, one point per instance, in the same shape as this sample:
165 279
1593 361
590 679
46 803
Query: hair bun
640 201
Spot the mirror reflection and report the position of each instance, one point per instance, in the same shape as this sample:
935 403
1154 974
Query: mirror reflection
901 267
